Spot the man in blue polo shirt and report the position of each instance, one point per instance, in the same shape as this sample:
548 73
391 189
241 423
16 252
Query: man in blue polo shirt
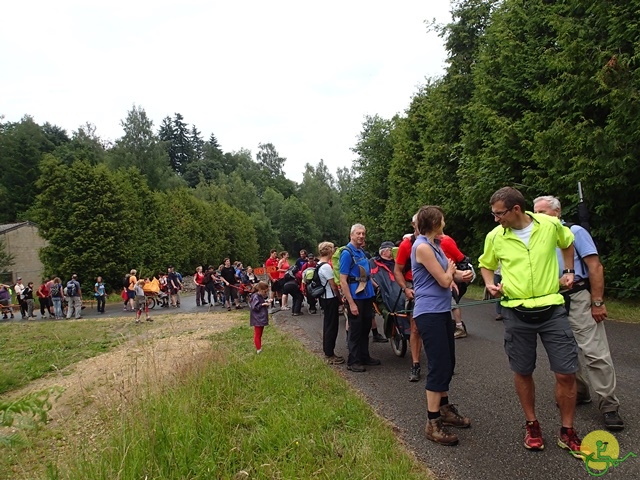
355 281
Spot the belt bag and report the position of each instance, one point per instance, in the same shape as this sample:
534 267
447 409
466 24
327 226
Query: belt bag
534 315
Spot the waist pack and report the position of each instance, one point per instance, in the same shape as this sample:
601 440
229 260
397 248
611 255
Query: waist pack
536 314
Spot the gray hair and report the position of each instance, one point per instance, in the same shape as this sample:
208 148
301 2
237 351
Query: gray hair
357 226
553 202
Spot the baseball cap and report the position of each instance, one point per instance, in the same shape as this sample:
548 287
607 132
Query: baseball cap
387 244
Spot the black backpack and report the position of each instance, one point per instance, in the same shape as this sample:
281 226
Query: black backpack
290 274
125 281
316 288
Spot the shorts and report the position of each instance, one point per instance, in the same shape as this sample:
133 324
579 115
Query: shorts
4 303
230 292
521 339
141 302
277 285
131 294
436 331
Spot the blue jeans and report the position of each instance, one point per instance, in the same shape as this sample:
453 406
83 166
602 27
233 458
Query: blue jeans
57 306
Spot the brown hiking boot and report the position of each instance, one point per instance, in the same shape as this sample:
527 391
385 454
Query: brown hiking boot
451 417
435 432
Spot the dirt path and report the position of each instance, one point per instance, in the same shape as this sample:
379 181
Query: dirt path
156 356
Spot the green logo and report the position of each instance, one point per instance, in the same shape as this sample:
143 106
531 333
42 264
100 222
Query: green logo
600 451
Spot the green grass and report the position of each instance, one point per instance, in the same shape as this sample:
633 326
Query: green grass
30 350
281 414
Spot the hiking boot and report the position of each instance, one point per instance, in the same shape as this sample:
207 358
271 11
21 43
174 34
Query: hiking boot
335 360
570 441
414 374
434 431
499 318
460 332
378 338
533 436
356 367
613 421
372 361
451 417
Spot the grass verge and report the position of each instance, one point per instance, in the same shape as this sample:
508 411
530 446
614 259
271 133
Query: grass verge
235 414
30 350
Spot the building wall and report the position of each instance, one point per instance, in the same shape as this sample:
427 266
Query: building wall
24 244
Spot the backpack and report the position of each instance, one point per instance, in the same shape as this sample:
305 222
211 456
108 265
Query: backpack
316 289
125 281
335 262
290 274
72 289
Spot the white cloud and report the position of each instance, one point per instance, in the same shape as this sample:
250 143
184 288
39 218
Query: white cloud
300 75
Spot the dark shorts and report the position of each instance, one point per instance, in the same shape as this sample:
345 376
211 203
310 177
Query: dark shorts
230 292
521 340
436 331
277 285
131 294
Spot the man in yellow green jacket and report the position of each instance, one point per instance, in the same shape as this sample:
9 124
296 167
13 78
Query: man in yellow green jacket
525 244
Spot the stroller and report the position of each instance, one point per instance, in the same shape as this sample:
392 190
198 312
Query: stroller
390 304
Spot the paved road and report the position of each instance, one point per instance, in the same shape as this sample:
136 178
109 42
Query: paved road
483 388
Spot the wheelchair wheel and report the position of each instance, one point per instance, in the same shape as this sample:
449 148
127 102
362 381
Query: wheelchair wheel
398 341
151 303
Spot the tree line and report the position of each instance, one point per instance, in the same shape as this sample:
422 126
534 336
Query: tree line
155 198
538 95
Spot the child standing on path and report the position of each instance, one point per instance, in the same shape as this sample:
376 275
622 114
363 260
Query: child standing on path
141 301
259 316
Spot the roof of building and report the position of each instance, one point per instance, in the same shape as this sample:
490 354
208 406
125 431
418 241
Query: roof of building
7 227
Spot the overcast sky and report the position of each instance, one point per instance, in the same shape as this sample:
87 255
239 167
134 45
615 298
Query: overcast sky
297 74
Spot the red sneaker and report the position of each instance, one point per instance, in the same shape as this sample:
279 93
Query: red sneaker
570 441
533 436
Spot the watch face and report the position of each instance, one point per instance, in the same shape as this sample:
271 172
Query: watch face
598 304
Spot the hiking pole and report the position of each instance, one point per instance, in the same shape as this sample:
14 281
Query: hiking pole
583 211
479 302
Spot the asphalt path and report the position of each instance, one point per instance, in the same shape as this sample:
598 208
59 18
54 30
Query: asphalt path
483 390
482 387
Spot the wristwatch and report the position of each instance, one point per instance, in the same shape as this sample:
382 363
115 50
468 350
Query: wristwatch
568 270
598 303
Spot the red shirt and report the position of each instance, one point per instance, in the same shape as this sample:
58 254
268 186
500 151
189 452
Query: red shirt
198 277
450 248
272 262
404 256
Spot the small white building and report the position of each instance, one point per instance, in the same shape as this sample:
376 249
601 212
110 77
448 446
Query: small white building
23 242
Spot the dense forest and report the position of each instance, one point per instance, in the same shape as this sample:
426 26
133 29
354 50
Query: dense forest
539 95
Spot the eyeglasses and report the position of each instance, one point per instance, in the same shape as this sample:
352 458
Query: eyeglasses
499 215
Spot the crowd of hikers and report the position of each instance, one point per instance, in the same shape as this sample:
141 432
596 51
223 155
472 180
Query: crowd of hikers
546 273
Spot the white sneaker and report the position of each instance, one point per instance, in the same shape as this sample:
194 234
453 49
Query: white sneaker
259 351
